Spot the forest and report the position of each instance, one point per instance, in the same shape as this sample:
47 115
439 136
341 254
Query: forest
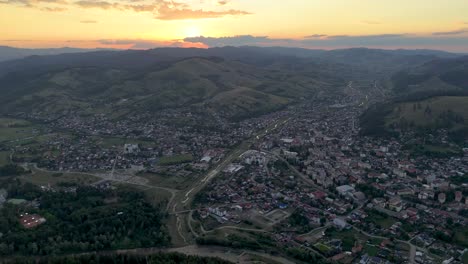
79 219
158 258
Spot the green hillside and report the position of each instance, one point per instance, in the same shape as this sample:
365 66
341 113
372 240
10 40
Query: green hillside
231 87
439 112
443 111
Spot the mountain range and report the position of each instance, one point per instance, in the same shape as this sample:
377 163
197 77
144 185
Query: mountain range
236 81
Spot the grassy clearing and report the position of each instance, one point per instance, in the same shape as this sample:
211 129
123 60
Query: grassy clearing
45 178
465 258
14 129
461 236
173 182
381 220
348 237
434 150
157 196
174 160
416 111
371 250
4 158
12 122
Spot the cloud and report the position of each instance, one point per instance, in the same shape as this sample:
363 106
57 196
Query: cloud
229 41
451 33
54 9
140 43
97 4
338 41
165 13
88 21
162 9
39 4
316 36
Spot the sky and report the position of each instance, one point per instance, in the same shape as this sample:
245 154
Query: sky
314 24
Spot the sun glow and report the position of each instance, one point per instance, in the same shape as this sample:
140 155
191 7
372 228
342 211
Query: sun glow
192 31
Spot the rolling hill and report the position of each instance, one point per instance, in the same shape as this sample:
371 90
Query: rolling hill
235 81
437 75
431 96
102 82
10 53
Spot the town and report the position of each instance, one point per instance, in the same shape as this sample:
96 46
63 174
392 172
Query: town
310 181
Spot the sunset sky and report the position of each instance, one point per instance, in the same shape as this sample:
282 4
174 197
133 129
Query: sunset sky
329 24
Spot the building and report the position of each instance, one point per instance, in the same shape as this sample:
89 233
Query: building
395 204
131 148
441 197
345 190
340 223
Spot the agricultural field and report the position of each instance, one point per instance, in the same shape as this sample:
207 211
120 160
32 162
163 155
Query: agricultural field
4 158
17 130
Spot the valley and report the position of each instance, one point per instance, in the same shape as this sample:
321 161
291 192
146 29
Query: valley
261 159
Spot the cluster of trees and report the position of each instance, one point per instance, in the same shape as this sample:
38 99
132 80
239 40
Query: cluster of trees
305 256
158 258
298 220
261 242
87 220
11 170
370 191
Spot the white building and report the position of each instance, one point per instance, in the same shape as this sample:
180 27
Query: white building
131 148
345 190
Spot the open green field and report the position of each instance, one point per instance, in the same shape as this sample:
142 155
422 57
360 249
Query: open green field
167 181
430 112
38 177
461 237
371 250
434 150
348 237
4 158
465 258
16 133
177 159
12 122
381 220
